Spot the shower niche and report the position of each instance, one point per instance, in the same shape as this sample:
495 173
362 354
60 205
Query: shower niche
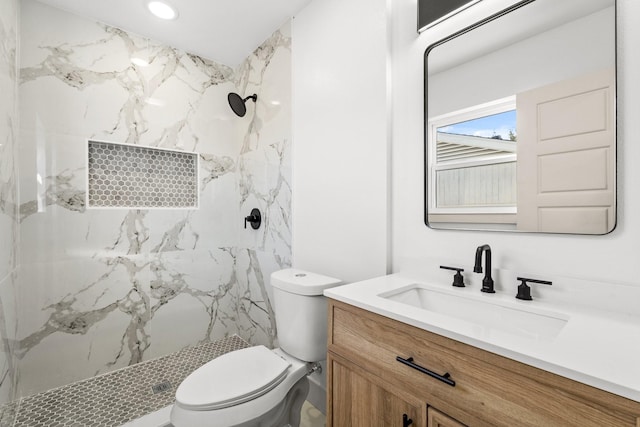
133 176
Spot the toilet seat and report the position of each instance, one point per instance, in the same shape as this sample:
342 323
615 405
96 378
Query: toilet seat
232 379
241 413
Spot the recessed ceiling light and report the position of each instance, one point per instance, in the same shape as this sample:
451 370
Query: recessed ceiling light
162 10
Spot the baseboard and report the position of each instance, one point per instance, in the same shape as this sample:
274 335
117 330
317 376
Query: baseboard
317 394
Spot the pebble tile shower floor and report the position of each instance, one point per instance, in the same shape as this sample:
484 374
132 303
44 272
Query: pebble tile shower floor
114 398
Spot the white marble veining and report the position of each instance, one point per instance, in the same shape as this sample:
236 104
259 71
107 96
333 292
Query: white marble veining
102 289
9 225
8 135
595 344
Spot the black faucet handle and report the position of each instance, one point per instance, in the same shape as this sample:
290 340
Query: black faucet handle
458 280
524 291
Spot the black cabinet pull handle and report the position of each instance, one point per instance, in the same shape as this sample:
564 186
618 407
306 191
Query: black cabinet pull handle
445 378
406 421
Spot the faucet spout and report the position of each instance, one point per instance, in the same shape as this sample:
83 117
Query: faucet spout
487 282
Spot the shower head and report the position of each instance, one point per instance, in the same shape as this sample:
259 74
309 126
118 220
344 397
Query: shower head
237 104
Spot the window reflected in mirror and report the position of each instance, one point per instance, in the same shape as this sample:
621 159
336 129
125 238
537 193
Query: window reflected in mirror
475 162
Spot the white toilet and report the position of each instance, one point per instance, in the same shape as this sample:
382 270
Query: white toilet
256 386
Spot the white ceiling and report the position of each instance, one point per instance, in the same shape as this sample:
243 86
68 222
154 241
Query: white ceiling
225 31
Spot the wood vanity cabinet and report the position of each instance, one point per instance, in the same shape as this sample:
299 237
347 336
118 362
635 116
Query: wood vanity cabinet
368 386
362 399
436 418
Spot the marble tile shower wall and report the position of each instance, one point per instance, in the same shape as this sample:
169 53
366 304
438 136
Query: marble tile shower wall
102 289
9 225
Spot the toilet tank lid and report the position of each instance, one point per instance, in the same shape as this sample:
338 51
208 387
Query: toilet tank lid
302 282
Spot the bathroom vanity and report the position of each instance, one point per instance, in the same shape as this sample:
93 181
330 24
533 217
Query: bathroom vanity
411 372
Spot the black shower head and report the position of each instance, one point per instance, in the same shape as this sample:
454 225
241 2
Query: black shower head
237 103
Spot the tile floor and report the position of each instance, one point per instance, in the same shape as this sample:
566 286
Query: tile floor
311 417
125 396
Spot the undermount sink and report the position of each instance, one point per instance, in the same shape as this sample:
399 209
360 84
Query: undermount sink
490 318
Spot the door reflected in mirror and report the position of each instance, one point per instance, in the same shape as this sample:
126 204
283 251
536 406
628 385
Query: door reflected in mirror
520 121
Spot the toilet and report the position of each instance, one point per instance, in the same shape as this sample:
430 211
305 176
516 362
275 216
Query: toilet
256 386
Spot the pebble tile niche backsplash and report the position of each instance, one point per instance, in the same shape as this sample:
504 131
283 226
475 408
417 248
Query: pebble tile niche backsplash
131 176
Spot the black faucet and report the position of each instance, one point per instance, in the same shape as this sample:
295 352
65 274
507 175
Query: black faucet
487 282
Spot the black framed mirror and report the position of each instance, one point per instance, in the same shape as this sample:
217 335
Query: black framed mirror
520 122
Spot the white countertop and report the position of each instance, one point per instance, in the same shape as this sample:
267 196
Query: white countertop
598 347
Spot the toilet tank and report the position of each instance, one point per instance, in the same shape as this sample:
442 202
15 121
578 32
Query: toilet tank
301 312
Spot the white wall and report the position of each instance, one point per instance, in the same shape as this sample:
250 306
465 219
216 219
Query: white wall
340 151
534 62
612 257
340 139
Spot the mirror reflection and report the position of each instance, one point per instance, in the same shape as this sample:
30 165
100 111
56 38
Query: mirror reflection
520 121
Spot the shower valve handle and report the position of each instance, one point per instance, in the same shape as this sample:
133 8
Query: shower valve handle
254 218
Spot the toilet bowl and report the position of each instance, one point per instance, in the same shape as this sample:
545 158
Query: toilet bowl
239 398
255 386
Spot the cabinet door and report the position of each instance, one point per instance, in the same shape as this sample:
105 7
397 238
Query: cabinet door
359 399
436 418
